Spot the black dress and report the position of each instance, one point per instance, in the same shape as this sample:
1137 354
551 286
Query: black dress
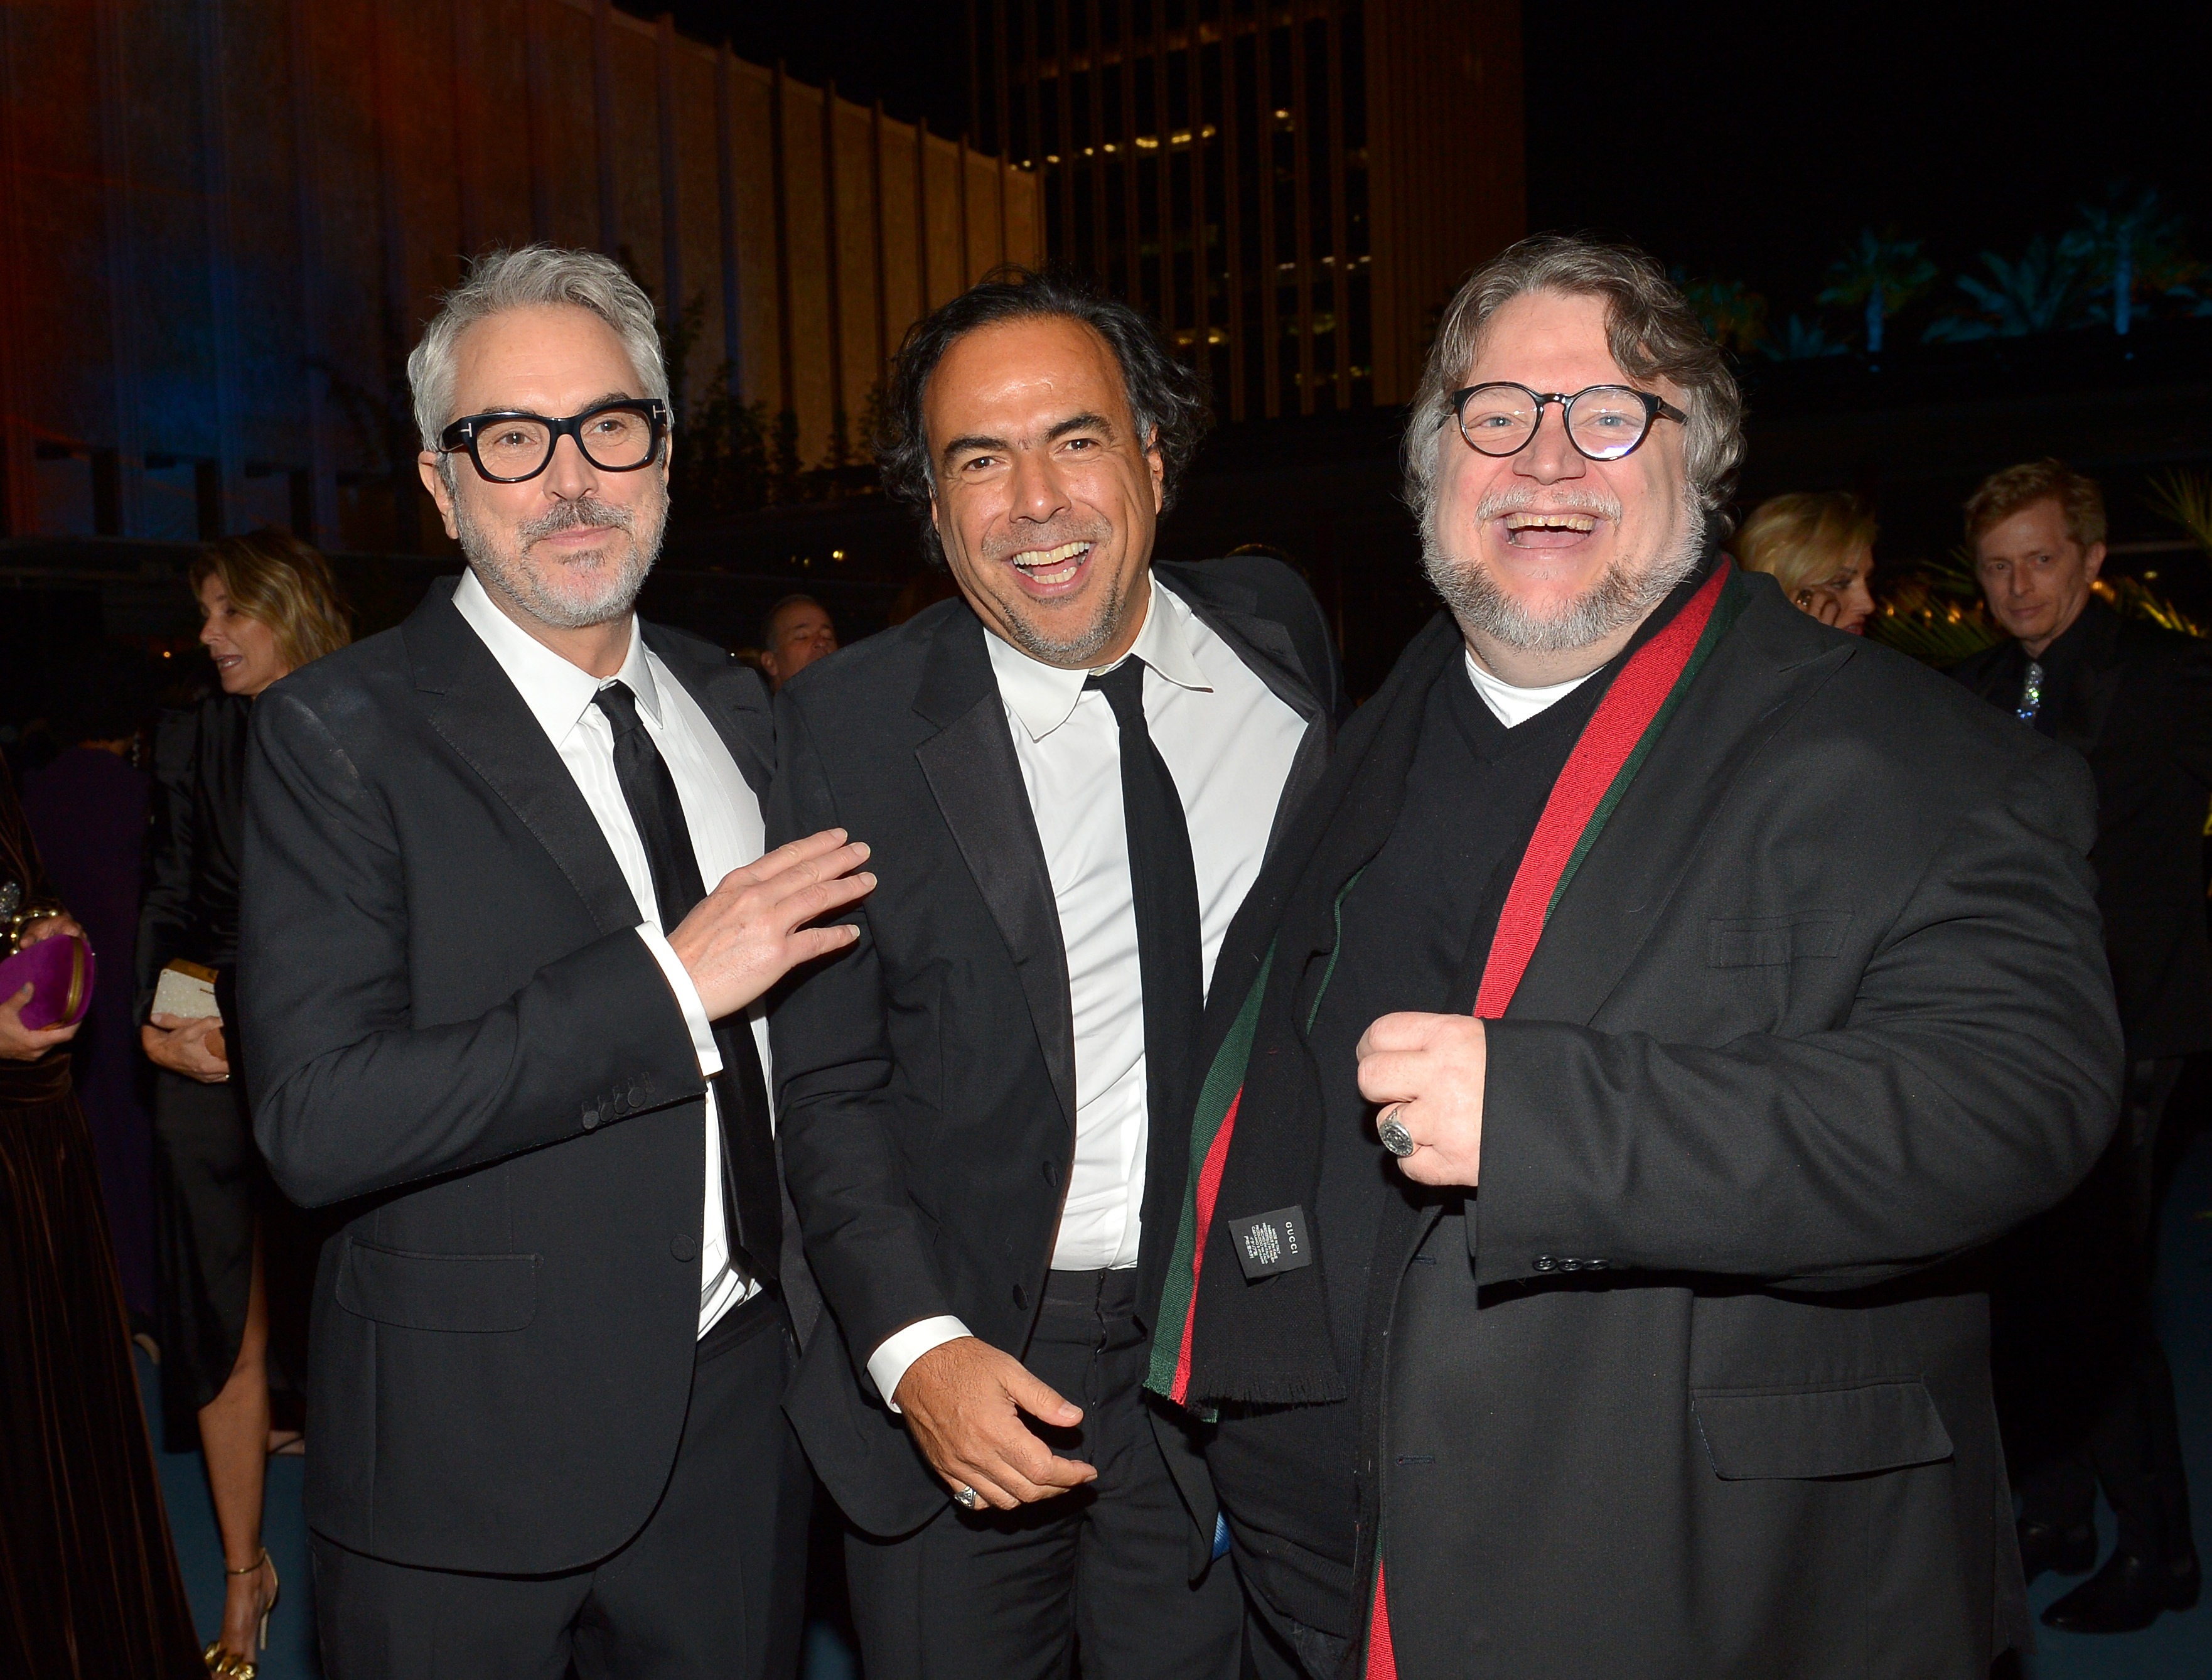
211 1187
89 1585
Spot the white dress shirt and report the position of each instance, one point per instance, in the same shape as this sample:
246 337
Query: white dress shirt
1230 744
720 808
1512 706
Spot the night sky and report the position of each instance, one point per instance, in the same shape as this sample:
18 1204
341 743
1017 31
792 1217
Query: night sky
1736 140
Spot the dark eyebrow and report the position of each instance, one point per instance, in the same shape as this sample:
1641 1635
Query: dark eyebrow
957 444
1082 423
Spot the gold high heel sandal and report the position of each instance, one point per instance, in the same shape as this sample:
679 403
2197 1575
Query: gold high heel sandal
228 1664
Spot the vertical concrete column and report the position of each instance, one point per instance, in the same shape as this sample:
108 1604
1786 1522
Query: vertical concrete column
220 511
118 185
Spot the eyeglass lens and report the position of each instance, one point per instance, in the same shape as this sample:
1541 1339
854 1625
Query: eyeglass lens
616 438
1605 422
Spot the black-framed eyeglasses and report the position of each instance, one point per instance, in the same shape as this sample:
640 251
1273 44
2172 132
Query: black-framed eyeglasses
1603 422
509 446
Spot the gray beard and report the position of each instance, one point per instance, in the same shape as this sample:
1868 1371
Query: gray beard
1076 653
510 575
1620 598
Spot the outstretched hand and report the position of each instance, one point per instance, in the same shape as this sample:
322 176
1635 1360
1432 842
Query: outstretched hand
751 930
963 1402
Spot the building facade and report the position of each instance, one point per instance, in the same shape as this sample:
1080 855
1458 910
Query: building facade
223 223
1292 187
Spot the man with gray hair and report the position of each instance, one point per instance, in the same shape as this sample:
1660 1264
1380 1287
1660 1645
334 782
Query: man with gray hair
506 922
1656 998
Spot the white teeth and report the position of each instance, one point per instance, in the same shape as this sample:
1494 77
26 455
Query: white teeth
1550 522
1037 558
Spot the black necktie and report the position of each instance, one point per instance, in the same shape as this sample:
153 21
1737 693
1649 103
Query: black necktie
1163 883
748 1181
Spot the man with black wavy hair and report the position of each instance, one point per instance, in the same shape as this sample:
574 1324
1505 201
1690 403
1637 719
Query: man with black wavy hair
1074 771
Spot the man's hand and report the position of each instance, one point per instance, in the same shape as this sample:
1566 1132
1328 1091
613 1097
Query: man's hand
187 1044
1431 1068
963 1401
747 933
19 1043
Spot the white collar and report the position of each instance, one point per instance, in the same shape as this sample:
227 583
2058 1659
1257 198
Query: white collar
1512 705
1043 695
557 693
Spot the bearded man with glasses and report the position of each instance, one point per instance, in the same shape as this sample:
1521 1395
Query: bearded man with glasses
506 927
1657 1002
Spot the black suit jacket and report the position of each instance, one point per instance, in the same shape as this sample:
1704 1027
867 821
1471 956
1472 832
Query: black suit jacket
928 1075
453 1030
1704 1388
2139 708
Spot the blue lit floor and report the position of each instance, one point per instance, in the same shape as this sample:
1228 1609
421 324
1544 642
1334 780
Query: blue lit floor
2177 1645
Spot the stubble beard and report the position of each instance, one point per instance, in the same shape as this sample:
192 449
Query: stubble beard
1081 649
623 567
1628 590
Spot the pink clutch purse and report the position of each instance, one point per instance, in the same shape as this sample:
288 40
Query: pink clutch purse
61 970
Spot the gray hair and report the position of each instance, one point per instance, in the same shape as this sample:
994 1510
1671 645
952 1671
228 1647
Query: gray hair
537 274
1649 327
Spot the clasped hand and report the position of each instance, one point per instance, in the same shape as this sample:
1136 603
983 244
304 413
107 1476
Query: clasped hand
750 930
1431 1068
19 1043
963 1402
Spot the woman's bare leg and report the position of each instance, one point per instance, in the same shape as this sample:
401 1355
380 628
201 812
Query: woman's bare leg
234 1436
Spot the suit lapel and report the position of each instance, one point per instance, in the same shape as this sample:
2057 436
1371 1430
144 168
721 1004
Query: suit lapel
2096 684
734 699
470 702
976 780
1761 672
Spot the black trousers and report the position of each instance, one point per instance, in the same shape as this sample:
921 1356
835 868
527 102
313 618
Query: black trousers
2083 1389
711 1588
1096 1581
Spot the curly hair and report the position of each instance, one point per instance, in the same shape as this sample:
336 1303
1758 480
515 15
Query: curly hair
1649 327
1167 397
2002 494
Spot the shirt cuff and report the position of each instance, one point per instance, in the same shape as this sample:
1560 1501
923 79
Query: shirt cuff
901 1349
687 998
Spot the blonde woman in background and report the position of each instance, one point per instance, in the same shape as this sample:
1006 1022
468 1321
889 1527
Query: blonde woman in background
1818 546
268 605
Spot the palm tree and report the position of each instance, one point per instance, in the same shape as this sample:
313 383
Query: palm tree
1733 314
2041 292
1881 274
2131 235
1802 340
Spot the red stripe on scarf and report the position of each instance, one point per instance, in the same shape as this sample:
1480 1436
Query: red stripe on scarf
1209 1186
1622 716
1381 1659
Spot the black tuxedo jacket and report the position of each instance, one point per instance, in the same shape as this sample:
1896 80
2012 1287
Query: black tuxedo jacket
1705 1389
927 1077
454 1030
2139 708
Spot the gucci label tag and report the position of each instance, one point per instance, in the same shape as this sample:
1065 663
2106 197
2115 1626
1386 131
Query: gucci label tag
1272 1242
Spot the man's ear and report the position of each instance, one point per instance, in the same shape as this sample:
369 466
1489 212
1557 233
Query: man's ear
1158 463
441 492
2092 562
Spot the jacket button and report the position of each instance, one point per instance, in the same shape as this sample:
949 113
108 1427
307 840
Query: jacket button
1021 1298
637 1092
683 1248
591 1118
1051 1171
1544 1262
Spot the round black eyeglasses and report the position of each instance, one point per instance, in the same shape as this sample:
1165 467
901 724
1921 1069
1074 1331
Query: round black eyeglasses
510 447
1603 422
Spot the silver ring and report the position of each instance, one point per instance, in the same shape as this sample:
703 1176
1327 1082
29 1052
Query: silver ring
1396 1138
966 1498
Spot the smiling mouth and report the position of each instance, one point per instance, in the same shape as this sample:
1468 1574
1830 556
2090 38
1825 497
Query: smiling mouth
1541 530
1044 567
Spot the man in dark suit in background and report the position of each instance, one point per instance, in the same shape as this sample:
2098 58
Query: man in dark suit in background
1072 773
1657 997
2083 1387
493 1007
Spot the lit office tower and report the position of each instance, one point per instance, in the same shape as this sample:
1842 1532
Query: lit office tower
1291 188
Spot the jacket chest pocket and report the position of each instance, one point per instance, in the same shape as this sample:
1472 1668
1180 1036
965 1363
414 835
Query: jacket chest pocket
1756 965
1802 1434
457 1292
